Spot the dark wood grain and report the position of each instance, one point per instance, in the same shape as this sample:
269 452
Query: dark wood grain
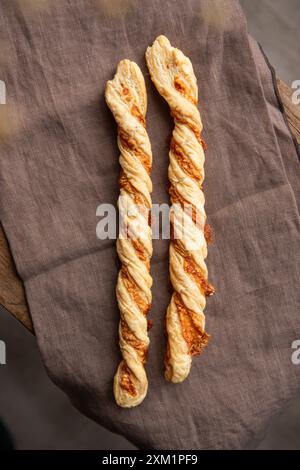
12 295
292 110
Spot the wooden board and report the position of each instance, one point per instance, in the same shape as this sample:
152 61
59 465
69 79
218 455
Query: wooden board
12 295
292 111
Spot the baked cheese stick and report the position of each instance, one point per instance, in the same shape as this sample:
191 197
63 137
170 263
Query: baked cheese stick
127 100
172 74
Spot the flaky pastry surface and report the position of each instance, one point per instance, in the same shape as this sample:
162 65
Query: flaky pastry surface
172 74
127 100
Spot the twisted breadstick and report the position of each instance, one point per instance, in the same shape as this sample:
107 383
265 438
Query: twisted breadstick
127 99
173 76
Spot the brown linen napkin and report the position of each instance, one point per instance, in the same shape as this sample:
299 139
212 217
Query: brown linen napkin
59 161
289 148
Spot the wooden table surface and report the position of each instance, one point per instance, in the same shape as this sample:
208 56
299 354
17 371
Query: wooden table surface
12 295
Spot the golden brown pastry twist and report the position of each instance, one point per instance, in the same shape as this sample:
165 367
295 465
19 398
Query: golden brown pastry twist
127 99
173 76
